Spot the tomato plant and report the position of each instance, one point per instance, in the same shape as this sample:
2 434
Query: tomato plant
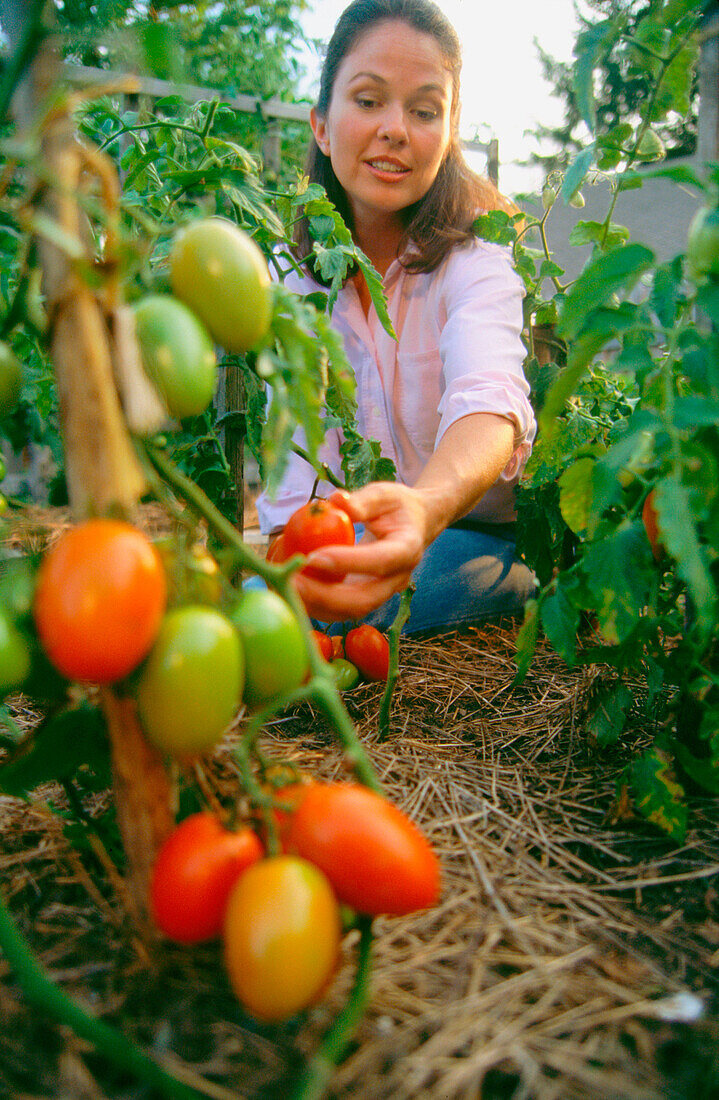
220 273
177 354
99 600
281 937
276 657
15 655
651 526
10 379
376 858
193 875
368 649
190 687
317 523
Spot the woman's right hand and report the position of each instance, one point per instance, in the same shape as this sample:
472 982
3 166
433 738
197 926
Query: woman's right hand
381 564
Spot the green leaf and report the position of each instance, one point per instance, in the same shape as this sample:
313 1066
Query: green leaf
560 620
658 795
603 276
609 716
527 637
618 573
588 48
62 745
592 232
678 531
574 176
575 494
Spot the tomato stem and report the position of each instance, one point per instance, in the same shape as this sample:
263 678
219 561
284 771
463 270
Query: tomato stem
47 997
315 1078
394 632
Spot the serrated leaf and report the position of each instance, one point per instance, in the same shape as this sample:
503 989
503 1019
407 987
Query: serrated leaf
657 794
575 174
609 716
593 232
603 276
618 573
678 532
61 746
575 494
560 621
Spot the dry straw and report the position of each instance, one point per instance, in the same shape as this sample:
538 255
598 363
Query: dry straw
565 959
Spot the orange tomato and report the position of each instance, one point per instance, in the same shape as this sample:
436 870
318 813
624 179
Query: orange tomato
99 601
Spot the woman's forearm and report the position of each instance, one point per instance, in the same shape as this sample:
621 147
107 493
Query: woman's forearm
468 460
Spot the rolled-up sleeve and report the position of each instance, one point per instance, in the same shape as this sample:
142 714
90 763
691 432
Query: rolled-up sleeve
481 347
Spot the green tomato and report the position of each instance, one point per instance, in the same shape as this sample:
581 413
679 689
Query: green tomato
10 379
220 273
345 673
276 658
703 245
191 685
15 657
177 354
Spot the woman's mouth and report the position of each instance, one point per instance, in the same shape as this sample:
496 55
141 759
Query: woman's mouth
387 169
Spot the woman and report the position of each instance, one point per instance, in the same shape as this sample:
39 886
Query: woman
448 401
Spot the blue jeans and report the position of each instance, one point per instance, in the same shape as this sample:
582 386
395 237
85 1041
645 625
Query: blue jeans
463 577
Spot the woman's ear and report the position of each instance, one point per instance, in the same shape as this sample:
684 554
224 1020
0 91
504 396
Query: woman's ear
319 129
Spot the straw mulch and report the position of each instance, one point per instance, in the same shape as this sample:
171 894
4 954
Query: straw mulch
567 957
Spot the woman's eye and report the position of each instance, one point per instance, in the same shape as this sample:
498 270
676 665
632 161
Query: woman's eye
365 102
425 114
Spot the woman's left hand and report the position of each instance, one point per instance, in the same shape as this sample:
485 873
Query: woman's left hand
396 535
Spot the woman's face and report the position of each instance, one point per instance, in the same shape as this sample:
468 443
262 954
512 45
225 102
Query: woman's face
388 126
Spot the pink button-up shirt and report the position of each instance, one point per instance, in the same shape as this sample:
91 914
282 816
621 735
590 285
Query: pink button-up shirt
458 351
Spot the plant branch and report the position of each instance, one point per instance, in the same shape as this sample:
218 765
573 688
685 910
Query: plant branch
394 634
48 998
316 1077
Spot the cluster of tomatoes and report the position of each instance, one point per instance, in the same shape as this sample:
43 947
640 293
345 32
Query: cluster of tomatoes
280 916
220 295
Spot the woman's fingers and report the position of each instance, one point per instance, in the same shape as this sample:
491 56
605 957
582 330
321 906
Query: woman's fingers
352 598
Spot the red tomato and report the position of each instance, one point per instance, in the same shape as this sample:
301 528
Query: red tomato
649 516
281 937
193 876
324 644
276 550
369 650
314 525
100 598
375 857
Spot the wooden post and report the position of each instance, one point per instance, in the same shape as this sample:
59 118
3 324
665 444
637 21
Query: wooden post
103 472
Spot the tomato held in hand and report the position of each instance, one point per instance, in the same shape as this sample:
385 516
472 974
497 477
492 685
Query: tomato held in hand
375 857
276 657
195 870
99 601
367 648
191 685
316 524
281 937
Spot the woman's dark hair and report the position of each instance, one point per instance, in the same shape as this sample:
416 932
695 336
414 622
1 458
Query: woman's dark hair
443 218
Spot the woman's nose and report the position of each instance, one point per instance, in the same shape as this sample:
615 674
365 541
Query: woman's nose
392 125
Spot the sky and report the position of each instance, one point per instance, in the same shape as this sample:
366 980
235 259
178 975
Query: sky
503 90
